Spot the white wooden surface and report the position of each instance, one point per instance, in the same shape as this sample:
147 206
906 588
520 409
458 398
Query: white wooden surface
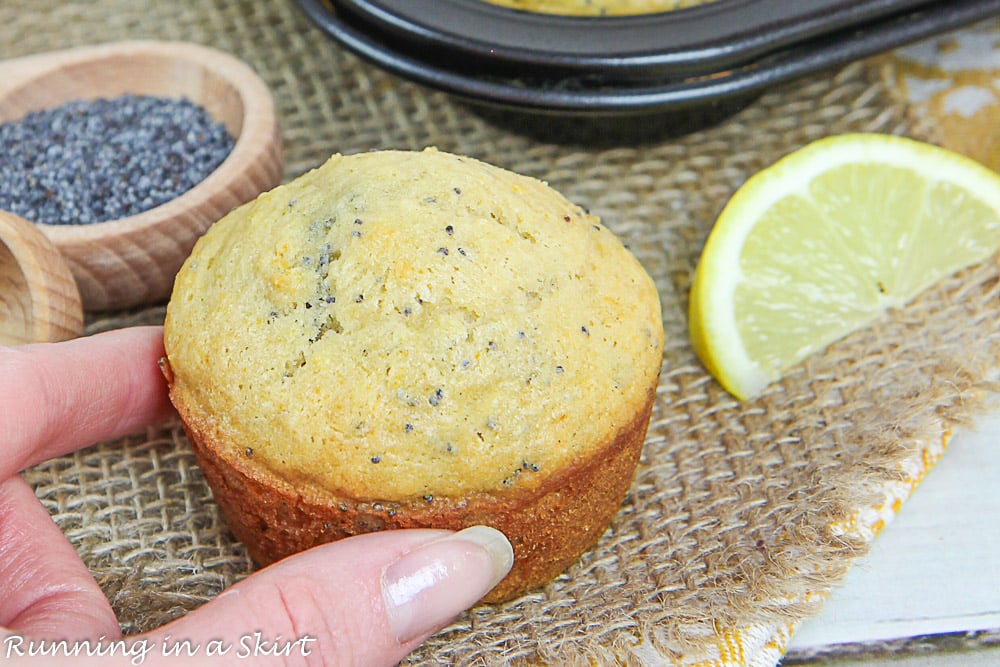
936 568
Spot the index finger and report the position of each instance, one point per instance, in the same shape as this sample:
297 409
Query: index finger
58 397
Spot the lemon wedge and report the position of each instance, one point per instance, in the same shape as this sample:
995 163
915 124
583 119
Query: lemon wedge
825 241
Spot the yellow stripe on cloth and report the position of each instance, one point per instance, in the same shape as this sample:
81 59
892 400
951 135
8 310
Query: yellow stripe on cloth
765 645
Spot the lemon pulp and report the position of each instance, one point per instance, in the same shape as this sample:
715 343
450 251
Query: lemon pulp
826 240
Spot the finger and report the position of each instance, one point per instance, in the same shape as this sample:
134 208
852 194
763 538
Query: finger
367 600
45 589
58 397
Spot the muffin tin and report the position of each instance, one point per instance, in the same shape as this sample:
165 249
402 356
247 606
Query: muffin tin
626 64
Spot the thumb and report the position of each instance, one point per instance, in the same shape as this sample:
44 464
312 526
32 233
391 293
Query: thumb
366 600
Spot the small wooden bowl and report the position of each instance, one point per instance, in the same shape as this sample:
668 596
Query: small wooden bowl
39 300
133 260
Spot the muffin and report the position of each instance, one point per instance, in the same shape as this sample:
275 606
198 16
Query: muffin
598 7
415 339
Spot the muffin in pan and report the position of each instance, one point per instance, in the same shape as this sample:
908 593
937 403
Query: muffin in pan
599 7
415 339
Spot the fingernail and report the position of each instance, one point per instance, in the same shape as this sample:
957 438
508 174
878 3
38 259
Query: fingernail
434 583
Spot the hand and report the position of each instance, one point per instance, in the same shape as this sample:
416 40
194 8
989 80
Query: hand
367 600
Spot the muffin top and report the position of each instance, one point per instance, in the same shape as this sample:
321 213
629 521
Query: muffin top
599 7
400 324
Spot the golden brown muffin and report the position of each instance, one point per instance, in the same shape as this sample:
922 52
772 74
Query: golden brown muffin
415 339
598 7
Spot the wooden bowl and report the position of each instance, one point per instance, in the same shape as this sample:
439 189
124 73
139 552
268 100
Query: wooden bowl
133 260
39 300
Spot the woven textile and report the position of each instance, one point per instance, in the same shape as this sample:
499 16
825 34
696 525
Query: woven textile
741 516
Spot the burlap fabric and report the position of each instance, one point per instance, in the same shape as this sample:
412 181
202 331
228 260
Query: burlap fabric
741 517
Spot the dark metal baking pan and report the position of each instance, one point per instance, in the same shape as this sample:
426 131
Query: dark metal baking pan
591 92
693 41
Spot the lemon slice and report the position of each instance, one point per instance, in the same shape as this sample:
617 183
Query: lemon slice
826 240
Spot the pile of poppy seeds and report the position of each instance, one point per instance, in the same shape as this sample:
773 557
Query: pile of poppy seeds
95 160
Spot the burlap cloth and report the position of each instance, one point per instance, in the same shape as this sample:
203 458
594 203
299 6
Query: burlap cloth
741 517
